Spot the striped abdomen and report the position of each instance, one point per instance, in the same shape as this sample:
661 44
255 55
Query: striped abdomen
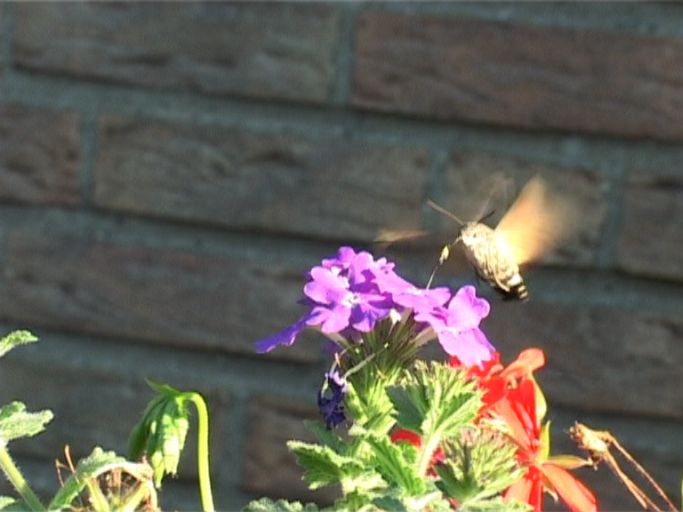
492 260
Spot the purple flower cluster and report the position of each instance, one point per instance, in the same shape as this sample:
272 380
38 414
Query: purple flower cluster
352 292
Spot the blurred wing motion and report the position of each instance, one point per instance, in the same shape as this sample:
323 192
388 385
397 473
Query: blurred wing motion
391 236
537 222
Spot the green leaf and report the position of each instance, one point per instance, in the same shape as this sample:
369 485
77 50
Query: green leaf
478 467
268 505
97 462
322 465
326 436
396 463
139 436
15 422
15 339
161 432
435 399
10 504
497 504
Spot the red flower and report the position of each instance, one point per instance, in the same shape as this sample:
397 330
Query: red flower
514 404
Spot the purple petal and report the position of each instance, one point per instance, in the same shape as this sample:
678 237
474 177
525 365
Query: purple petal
331 320
365 316
345 256
331 399
286 336
326 287
360 264
466 309
470 346
435 317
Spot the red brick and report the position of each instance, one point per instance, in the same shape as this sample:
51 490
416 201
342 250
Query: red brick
599 358
270 468
165 296
519 75
263 50
651 235
311 187
40 157
478 183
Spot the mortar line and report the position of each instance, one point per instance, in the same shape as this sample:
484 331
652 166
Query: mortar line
606 285
307 120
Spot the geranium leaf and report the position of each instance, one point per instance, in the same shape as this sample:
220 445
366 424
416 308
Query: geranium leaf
322 465
268 505
15 422
15 339
396 463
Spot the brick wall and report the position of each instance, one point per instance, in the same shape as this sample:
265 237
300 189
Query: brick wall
168 172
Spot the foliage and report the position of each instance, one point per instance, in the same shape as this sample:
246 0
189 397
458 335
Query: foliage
396 433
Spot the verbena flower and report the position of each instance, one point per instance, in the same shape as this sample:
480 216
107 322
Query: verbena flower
406 294
331 399
347 296
457 326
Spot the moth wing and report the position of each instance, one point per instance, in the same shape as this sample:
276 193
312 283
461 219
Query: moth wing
387 237
537 221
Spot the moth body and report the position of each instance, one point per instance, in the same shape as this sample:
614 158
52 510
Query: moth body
492 259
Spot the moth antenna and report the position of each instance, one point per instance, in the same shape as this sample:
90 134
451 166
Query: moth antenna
442 210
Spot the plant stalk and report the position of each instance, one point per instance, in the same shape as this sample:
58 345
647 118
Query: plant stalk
428 449
18 481
203 452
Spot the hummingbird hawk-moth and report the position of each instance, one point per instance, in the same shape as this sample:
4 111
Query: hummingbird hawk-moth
533 225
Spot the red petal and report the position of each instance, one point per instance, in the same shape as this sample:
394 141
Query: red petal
527 490
482 372
516 429
527 361
494 390
408 436
523 400
576 495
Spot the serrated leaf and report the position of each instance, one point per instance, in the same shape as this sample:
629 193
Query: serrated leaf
394 501
14 339
16 423
435 400
97 462
409 415
395 462
478 467
326 436
497 504
322 465
268 505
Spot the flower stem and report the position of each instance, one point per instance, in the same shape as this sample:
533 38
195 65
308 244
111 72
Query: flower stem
18 481
430 446
203 451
